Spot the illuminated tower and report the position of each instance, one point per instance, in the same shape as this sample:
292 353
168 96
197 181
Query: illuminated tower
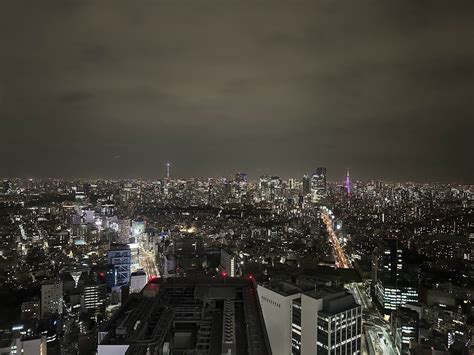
348 183
168 165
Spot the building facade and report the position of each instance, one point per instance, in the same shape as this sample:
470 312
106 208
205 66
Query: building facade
51 298
31 310
120 257
301 322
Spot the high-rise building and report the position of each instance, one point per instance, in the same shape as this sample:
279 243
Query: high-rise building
276 187
318 184
125 231
331 322
391 290
51 298
276 300
120 257
31 309
301 322
388 262
240 186
241 177
93 295
228 263
306 185
264 187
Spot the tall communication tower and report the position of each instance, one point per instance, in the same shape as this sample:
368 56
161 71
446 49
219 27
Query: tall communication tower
348 183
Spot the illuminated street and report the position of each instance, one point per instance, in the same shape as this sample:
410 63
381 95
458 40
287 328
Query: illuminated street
341 258
148 262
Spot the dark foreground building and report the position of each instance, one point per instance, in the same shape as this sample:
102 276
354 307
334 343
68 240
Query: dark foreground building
188 316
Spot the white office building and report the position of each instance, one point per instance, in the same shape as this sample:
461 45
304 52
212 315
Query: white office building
300 322
331 322
276 301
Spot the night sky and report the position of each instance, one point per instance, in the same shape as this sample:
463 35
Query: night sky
118 88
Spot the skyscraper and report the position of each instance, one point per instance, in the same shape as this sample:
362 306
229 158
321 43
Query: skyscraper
318 184
124 231
264 187
391 290
228 263
306 184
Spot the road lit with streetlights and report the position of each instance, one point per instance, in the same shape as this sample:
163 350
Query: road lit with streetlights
341 258
148 262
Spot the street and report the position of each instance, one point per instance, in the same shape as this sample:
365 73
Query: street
148 262
341 258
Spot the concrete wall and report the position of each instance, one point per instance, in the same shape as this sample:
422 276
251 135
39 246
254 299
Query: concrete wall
277 315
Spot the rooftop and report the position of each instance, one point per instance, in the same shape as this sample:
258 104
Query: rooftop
335 299
208 315
284 288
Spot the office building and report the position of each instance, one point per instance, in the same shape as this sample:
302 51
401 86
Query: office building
404 324
264 187
228 263
199 316
276 301
318 185
391 290
119 256
331 322
306 185
93 295
51 298
125 231
31 309
387 262
301 322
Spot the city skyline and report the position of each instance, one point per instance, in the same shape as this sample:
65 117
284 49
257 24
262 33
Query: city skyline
93 90
251 179
236 177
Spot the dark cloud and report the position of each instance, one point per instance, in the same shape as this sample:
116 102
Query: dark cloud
217 87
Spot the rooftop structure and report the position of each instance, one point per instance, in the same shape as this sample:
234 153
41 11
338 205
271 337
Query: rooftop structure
204 316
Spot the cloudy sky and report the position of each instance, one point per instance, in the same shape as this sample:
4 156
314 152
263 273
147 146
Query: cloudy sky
118 88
